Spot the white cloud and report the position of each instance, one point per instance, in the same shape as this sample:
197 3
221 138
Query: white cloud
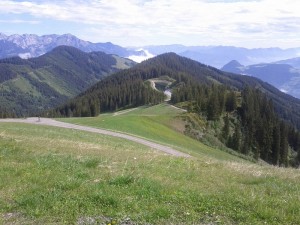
139 58
164 21
20 21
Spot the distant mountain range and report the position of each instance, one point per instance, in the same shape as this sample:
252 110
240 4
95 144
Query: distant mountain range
31 45
28 86
283 76
294 62
217 56
279 67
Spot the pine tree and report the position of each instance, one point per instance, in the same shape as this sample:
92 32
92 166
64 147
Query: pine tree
236 138
283 145
213 107
225 131
231 102
246 144
276 145
297 148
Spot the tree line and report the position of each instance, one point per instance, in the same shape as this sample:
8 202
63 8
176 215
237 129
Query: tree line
110 95
251 125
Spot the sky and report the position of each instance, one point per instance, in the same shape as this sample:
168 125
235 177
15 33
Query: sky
242 23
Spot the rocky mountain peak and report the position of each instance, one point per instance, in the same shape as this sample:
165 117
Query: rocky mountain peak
2 36
31 45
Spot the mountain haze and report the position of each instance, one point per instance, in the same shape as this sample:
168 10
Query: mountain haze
36 84
233 67
283 76
294 62
217 56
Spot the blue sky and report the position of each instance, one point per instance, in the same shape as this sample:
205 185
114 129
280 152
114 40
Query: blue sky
245 23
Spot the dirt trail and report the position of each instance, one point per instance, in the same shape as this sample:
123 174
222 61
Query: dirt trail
183 110
51 122
123 112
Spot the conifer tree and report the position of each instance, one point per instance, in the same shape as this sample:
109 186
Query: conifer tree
276 145
225 131
213 107
283 145
231 102
236 138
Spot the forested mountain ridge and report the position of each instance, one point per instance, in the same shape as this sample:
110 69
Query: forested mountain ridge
255 110
28 86
285 105
183 69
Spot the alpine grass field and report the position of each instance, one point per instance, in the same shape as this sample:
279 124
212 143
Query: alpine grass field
53 175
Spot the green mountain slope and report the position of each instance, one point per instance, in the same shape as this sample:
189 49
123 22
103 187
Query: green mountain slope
33 85
244 113
160 123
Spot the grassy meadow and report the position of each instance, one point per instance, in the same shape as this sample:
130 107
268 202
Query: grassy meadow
53 175
157 123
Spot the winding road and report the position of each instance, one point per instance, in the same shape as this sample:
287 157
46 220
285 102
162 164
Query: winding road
55 123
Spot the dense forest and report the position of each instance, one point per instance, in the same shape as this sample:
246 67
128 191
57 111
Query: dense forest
251 126
256 116
116 91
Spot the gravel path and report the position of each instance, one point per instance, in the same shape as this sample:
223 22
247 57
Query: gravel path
123 112
183 110
51 122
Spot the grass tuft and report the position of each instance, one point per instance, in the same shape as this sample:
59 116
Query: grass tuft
122 181
91 163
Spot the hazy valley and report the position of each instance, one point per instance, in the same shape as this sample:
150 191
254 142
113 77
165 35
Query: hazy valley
283 75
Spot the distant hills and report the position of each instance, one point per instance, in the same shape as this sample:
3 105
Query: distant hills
294 62
31 85
283 76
